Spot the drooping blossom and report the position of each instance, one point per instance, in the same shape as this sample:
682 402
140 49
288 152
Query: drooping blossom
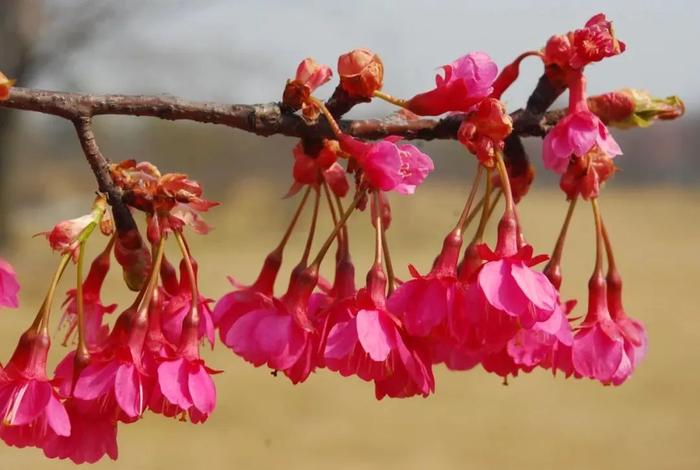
176 308
467 81
323 167
508 282
94 310
184 380
484 131
116 376
585 176
282 335
387 165
592 43
577 133
598 351
361 72
64 237
9 287
426 304
370 342
30 407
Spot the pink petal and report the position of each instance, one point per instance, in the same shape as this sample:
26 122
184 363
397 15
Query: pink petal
595 354
375 334
95 380
202 390
30 400
500 289
341 340
172 379
128 390
535 286
9 287
57 417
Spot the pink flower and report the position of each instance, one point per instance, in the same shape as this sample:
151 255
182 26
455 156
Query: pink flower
467 81
184 380
116 377
30 407
510 285
426 304
64 236
388 166
9 287
93 435
96 332
281 335
598 351
370 342
323 167
175 310
576 134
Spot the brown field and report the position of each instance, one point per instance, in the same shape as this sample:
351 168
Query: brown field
537 422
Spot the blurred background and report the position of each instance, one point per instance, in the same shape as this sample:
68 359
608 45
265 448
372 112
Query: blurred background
243 52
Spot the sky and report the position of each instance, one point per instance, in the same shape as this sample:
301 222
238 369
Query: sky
243 51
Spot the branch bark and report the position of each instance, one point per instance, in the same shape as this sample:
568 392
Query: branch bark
261 119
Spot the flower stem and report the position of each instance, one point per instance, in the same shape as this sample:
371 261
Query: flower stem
378 245
292 224
391 99
194 311
312 228
146 294
462 222
598 238
484 208
346 237
343 219
612 266
391 277
328 115
334 214
81 350
41 321
505 183
555 259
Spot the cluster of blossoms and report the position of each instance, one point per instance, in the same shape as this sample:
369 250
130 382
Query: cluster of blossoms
479 304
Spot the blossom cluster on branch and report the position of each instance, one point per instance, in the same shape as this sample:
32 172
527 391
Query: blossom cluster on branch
481 303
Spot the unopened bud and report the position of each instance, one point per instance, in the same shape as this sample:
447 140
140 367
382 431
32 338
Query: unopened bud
361 72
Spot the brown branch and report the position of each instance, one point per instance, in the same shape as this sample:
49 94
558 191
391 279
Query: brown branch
123 220
261 119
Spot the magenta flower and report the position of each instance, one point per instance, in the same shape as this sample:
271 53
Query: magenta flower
598 351
577 133
93 435
187 384
281 335
426 304
388 166
30 407
467 81
510 285
368 341
9 287
96 332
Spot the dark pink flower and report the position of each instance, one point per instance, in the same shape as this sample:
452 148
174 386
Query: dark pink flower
388 166
30 407
93 435
323 167
578 133
467 81
370 342
598 351
426 304
281 335
95 331
9 287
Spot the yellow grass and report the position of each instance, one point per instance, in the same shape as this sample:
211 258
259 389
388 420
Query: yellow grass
538 422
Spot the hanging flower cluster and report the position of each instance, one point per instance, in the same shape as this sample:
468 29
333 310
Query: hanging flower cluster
481 302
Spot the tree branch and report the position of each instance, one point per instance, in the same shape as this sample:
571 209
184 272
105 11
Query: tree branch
261 119
123 220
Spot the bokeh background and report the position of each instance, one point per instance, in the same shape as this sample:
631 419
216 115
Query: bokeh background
242 52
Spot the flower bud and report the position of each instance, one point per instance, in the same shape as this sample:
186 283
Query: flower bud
635 108
361 72
134 257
